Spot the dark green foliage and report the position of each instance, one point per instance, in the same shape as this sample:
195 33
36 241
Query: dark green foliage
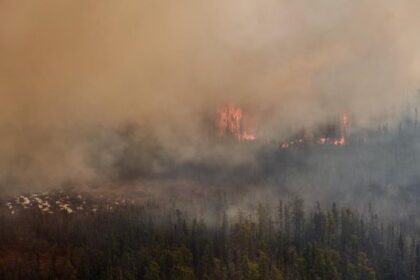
147 242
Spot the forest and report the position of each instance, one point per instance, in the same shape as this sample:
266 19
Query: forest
149 240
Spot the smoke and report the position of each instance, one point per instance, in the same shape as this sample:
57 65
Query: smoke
70 71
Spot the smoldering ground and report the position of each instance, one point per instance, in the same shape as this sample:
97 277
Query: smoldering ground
380 172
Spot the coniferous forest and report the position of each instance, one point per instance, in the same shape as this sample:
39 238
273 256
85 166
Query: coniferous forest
148 241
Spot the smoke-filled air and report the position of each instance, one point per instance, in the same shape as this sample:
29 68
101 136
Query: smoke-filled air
290 116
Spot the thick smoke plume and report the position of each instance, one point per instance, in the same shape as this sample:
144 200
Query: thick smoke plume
76 76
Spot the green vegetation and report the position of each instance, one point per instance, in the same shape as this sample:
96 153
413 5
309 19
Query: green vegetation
153 242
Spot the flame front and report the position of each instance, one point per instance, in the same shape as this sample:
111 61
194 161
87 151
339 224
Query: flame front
231 121
339 138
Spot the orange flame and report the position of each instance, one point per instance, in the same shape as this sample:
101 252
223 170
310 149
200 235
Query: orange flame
340 140
230 121
344 126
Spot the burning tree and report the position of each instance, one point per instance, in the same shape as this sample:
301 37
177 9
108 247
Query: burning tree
231 122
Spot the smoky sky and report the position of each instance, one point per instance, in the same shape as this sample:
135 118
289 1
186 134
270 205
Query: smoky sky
68 66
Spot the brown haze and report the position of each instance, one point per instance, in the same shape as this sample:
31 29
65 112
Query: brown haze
66 66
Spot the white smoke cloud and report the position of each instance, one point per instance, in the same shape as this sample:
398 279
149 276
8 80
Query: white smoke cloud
68 66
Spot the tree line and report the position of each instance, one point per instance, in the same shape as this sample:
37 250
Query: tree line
288 241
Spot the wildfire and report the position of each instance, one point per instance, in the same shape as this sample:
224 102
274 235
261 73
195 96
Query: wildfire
231 121
344 127
339 138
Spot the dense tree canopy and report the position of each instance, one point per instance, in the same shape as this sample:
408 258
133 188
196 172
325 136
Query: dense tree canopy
153 242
